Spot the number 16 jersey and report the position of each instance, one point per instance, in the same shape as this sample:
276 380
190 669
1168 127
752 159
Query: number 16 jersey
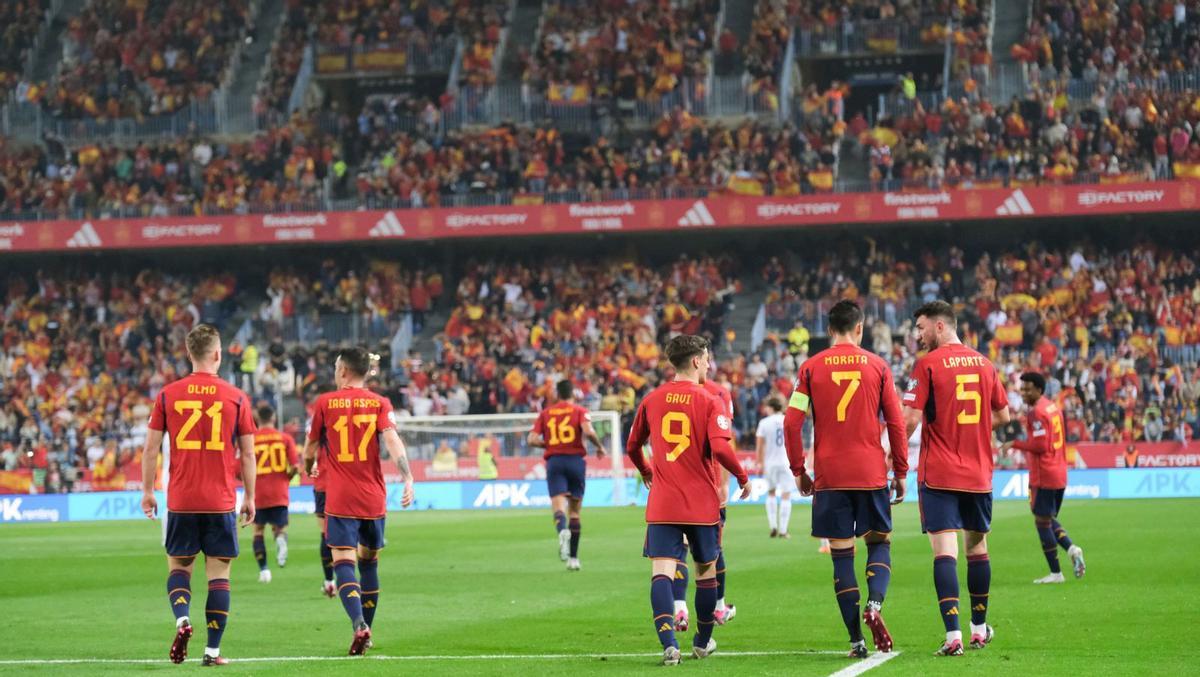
203 417
347 423
680 418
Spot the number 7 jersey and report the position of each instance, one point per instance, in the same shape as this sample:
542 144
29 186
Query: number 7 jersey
203 417
347 423
957 389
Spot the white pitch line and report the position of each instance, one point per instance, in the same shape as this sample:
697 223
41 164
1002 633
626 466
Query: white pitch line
478 657
873 662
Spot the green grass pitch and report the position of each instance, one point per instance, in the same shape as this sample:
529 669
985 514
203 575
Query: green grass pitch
476 583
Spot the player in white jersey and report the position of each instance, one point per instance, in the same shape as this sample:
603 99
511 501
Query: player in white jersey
773 459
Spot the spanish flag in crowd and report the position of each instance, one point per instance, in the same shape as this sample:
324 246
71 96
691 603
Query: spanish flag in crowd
1010 334
822 179
743 185
1187 170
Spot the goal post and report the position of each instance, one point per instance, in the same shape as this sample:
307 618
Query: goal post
443 440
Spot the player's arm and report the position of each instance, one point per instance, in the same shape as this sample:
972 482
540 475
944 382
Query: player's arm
760 448
311 448
249 477
1001 416
396 450
294 467
915 399
589 433
893 418
793 427
537 435
1037 441
150 453
638 434
720 442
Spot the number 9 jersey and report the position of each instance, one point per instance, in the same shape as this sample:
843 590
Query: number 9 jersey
203 417
347 423
957 389
681 419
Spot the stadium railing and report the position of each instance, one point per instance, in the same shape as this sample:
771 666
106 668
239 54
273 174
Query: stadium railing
780 316
31 121
334 328
397 57
861 37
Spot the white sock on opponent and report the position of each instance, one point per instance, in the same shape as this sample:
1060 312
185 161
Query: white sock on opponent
785 513
772 505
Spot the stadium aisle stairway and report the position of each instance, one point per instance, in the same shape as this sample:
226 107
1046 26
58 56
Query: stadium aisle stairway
522 34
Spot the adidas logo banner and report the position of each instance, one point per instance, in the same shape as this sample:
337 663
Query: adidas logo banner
388 226
697 215
84 237
1015 205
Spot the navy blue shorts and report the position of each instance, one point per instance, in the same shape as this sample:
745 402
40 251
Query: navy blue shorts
1045 502
838 513
665 541
943 510
277 515
566 475
319 497
348 532
191 533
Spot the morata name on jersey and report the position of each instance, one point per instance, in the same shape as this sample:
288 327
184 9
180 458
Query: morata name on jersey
840 360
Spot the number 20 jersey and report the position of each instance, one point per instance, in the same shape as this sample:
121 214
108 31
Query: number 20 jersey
203 417
347 423
957 389
680 418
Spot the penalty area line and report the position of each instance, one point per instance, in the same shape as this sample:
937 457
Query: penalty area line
377 657
874 661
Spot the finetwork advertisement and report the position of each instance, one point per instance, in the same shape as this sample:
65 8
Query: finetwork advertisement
1008 485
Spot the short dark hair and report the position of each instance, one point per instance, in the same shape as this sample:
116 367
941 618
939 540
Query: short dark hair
263 412
566 389
775 403
1036 379
356 359
937 309
843 317
201 339
684 347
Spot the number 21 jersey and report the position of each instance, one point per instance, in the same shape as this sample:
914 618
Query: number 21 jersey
957 389
347 423
203 417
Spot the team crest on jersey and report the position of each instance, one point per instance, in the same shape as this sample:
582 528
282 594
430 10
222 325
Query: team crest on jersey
911 384
1037 425
722 423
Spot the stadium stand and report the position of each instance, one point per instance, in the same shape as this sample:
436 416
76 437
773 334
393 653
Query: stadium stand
21 21
133 59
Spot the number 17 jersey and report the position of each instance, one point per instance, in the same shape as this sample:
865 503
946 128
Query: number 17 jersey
347 423
957 389
203 417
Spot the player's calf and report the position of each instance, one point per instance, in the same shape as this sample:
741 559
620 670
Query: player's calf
661 603
216 615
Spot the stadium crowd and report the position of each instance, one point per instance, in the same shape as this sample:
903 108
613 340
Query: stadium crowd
131 59
680 152
1116 331
21 22
278 169
621 49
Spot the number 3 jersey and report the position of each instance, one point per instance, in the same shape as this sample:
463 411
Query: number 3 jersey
680 418
561 426
849 392
203 417
347 423
274 457
957 389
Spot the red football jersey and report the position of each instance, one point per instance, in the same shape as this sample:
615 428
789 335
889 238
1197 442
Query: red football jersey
348 422
680 418
561 426
847 389
319 480
203 417
274 455
1046 448
721 393
957 389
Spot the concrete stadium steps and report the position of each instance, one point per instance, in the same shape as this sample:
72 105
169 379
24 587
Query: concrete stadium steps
741 318
245 81
522 33
854 169
739 15
45 62
1012 16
